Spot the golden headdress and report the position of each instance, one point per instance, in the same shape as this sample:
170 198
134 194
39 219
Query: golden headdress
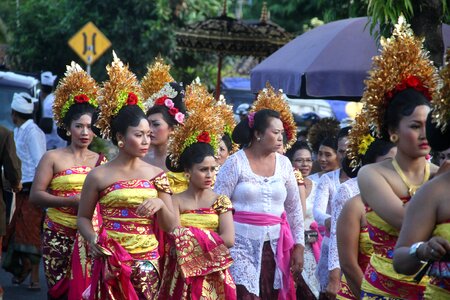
156 78
201 125
402 64
268 98
359 139
225 112
441 103
122 89
325 127
76 87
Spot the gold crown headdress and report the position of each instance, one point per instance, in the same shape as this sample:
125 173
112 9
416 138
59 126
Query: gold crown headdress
325 127
156 78
268 98
76 87
198 97
402 64
202 125
122 89
360 138
441 103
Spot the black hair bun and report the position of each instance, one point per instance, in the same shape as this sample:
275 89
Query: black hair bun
438 140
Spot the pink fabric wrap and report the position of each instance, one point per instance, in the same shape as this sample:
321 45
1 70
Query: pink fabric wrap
318 243
112 272
284 246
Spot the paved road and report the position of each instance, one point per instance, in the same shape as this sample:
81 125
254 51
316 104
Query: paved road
21 292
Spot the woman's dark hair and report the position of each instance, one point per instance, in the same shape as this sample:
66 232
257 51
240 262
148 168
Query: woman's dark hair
376 149
164 111
438 140
243 134
129 115
194 154
299 145
227 141
331 142
74 113
343 132
402 105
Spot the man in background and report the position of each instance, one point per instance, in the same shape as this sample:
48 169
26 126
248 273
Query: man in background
10 164
47 124
24 232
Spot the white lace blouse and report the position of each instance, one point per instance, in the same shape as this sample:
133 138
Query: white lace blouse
326 189
253 193
346 191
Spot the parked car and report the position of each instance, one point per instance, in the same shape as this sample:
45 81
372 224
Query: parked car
11 83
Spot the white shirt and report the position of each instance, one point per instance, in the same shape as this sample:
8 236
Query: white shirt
346 191
326 189
53 139
269 195
30 146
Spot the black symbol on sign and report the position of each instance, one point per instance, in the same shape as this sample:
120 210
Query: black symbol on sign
89 47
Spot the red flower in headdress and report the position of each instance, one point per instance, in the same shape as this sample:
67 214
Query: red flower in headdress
132 99
409 82
161 100
173 111
82 98
204 137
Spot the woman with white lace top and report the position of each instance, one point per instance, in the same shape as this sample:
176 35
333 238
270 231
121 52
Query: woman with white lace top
326 190
268 217
300 156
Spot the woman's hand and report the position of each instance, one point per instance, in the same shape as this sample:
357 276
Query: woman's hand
149 207
434 249
297 261
334 283
95 250
73 200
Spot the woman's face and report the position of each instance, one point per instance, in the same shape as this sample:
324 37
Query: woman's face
81 132
302 160
223 153
137 139
412 139
443 156
272 138
202 174
327 158
342 149
160 130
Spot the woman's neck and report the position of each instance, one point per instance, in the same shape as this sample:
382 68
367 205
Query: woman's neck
78 152
197 194
410 166
126 161
259 152
159 151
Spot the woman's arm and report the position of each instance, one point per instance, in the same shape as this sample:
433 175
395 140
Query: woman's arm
88 201
228 176
378 194
168 218
302 191
347 233
321 202
226 228
39 194
418 226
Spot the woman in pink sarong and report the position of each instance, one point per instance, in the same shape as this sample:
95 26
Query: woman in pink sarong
269 239
61 174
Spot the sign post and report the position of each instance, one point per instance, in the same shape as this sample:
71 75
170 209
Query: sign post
89 43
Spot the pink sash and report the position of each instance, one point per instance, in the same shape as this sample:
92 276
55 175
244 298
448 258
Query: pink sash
285 242
318 243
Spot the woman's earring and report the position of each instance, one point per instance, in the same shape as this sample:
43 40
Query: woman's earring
258 139
394 138
68 133
120 144
187 175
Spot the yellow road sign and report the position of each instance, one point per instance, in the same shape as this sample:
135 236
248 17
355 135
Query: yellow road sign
89 43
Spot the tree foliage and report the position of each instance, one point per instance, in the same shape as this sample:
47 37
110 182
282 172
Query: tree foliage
138 31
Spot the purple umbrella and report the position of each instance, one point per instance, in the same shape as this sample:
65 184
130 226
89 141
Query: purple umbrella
330 61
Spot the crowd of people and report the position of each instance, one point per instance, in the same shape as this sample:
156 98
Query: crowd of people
195 206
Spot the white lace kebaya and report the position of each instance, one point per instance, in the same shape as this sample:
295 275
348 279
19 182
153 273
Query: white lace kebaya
269 195
346 191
